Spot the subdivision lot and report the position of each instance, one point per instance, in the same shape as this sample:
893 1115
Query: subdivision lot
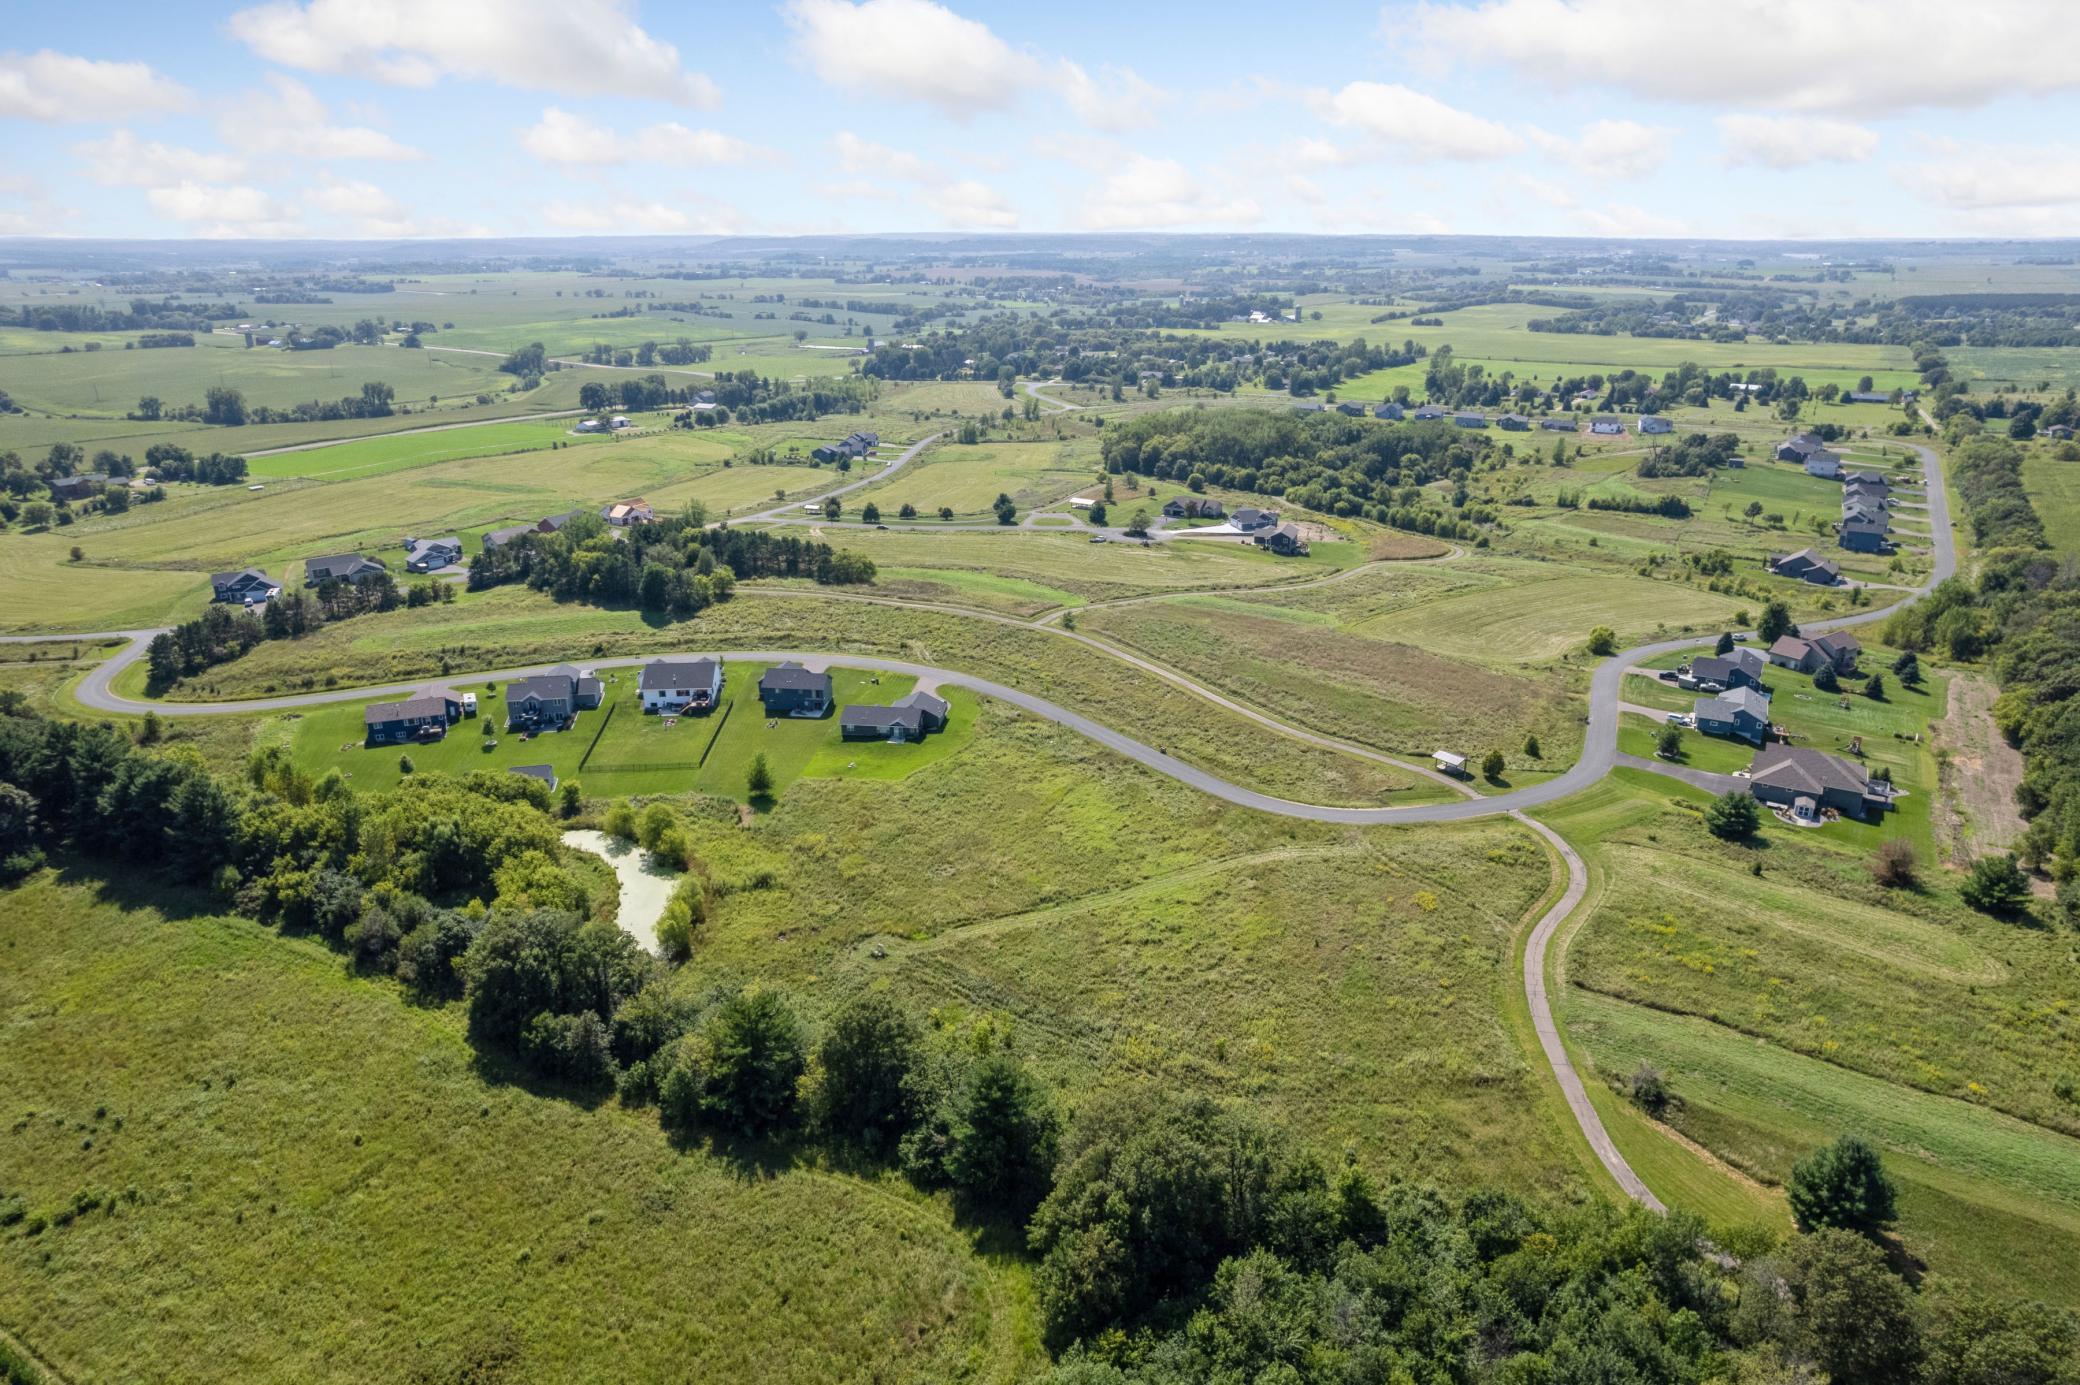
967 480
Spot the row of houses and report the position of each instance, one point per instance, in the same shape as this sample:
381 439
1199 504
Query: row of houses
789 689
1602 424
1866 512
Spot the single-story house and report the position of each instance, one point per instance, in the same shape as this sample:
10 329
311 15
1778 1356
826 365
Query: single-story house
1824 464
1869 397
1285 540
1808 655
623 513
431 555
1352 408
851 448
1655 423
1563 423
1863 535
244 587
1515 423
1806 566
1388 410
789 689
499 538
1607 425
1249 519
1429 413
910 718
342 567
80 487
420 717
550 699
1737 668
1309 406
553 523
1193 507
1470 419
680 685
544 773
1741 713
1808 782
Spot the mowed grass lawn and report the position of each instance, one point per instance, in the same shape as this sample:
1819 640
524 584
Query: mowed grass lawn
308 1177
619 749
968 480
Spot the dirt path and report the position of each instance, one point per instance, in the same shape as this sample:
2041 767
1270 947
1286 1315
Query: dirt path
1976 812
645 887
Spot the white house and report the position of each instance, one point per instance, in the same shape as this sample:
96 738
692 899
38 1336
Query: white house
680 685
1824 464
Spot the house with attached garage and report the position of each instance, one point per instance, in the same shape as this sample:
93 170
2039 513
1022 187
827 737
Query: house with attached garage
1515 423
1428 413
1388 410
1806 566
424 716
1470 419
499 538
1351 408
81 487
1249 519
910 718
1839 649
431 555
342 567
1560 423
853 447
1607 425
623 513
1864 535
1809 783
791 690
550 701
1737 668
680 685
1800 447
1655 423
1193 507
1741 713
1823 464
1286 540
245 587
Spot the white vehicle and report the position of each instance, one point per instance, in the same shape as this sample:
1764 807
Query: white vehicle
1679 719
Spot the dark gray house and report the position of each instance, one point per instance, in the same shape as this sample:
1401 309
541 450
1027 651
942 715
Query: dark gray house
431 555
1428 413
243 587
1470 419
1351 408
1516 423
791 690
853 447
1388 410
1863 535
550 701
1737 668
499 538
1741 713
910 718
1558 423
1806 566
423 716
545 773
1249 519
81 487
1285 540
1811 782
680 685
341 567
1193 507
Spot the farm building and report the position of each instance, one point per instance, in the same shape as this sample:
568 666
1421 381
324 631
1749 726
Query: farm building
2061 431
1806 566
243 587
1796 652
911 718
1810 782
431 555
1741 713
342 567
789 689
680 685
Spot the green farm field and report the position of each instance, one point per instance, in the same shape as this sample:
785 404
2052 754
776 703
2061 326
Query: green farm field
968 479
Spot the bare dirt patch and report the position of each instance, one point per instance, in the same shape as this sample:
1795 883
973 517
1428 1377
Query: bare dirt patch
1975 809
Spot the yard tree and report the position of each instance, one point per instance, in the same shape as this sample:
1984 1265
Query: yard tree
1097 514
1007 511
832 509
1842 1185
1775 622
758 779
39 513
1733 816
946 512
1669 744
572 798
594 397
1875 689
1492 764
1995 885
1603 641
1824 679
1725 644
1908 667
404 764
864 1093
1532 749
1137 524
870 513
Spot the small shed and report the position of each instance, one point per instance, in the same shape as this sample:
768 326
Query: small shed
1449 763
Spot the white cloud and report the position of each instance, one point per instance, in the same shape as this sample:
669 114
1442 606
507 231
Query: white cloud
1844 55
224 211
1144 193
1407 123
1792 141
288 118
563 138
54 87
1118 99
376 214
973 204
959 202
579 47
1609 148
125 161
1983 178
910 48
1622 219
643 218
26 208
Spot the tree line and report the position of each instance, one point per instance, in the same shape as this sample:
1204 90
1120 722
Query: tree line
221 634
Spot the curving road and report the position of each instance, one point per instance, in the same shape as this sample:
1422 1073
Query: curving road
792 509
1599 756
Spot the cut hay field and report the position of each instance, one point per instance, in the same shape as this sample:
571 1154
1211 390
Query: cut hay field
376 455
242 1103
2054 488
510 627
1535 613
968 479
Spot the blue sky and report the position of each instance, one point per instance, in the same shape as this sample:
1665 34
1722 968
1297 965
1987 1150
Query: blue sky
396 118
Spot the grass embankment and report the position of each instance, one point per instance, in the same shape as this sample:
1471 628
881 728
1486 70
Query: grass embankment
511 627
1788 1008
